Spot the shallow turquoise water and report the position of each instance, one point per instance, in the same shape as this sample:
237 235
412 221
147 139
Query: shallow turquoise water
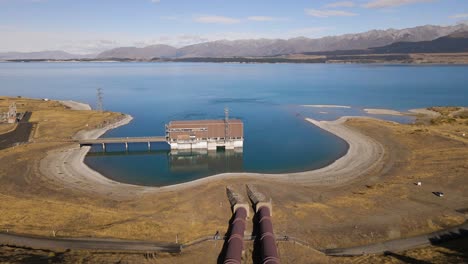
267 97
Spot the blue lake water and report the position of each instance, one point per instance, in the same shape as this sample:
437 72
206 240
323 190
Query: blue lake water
267 97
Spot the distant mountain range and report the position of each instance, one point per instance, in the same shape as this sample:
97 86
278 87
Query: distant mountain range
387 41
41 55
272 47
455 42
149 52
452 43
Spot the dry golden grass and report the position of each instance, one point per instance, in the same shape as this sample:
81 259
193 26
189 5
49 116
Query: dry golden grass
5 128
442 58
54 125
444 110
208 253
55 121
384 204
462 113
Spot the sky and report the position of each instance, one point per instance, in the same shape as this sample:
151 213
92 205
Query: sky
92 26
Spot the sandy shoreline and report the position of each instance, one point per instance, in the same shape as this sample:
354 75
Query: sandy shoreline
424 111
363 154
379 111
67 165
76 105
327 106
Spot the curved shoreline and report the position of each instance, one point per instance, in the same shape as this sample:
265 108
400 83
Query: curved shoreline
67 165
74 105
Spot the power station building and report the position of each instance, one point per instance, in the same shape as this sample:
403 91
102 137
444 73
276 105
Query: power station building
205 134
11 116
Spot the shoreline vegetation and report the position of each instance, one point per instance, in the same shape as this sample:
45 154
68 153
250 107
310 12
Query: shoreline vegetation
410 58
369 195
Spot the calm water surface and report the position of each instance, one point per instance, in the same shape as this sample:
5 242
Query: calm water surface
267 97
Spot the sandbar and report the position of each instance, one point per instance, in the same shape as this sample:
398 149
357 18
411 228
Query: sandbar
327 106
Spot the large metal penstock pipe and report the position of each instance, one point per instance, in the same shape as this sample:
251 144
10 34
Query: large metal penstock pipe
236 238
267 237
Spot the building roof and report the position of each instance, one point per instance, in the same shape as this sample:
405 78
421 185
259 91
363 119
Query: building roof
205 129
203 122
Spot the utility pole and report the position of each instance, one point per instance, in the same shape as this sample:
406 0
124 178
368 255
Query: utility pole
11 116
12 110
226 123
99 105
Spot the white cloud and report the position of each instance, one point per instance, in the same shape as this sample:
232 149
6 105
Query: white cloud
328 13
217 20
456 16
264 18
341 4
76 42
392 3
155 1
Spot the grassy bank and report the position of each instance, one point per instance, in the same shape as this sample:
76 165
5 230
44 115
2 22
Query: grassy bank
384 204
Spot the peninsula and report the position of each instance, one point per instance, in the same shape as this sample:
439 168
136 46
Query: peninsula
367 196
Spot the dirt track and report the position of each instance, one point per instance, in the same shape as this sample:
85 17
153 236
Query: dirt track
382 204
86 244
19 135
403 244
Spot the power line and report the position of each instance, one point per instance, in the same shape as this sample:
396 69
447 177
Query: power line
226 123
99 104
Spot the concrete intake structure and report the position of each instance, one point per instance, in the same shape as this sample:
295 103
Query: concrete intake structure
205 134
188 135
191 134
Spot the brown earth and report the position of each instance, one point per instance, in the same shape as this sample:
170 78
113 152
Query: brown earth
382 205
440 58
4 128
414 58
449 252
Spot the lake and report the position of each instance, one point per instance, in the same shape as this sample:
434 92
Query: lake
267 97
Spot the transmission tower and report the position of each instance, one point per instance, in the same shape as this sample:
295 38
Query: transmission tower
226 123
99 105
11 116
12 111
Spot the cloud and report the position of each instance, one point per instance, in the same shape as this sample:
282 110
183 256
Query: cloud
78 42
155 1
457 16
392 3
217 20
341 4
261 18
328 13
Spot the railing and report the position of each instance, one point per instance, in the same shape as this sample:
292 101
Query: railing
123 140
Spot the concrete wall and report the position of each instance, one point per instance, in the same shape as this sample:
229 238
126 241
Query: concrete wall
210 145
